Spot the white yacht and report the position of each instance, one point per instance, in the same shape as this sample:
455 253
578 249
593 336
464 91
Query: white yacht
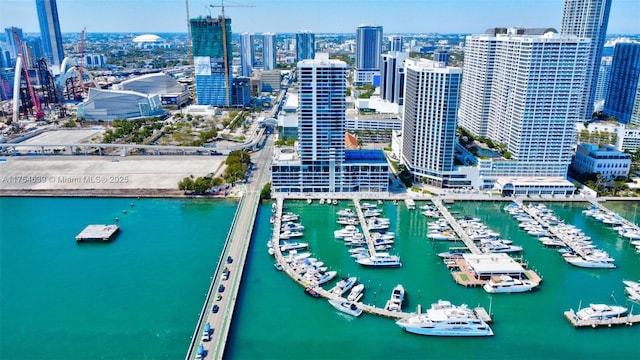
588 262
372 212
326 277
346 307
356 293
397 297
497 246
288 234
309 201
411 205
292 226
347 231
632 284
344 285
289 216
441 236
293 245
506 284
445 319
347 213
345 220
380 260
600 312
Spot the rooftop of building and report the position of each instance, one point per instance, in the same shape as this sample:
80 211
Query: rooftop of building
519 31
529 181
492 263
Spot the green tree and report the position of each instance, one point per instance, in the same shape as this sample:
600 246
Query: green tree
265 193
186 184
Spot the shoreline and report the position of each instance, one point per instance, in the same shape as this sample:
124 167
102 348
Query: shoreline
174 193
107 193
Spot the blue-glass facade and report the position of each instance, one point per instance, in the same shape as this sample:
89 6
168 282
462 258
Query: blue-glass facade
305 45
622 92
213 76
50 31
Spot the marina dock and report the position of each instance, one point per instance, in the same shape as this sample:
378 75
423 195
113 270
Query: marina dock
456 227
98 233
627 320
326 294
365 230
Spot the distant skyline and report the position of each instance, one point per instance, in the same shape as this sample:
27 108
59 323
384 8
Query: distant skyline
319 16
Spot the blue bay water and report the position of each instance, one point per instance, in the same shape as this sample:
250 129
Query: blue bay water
276 320
137 297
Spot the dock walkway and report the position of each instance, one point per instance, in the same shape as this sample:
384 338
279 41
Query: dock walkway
627 320
553 230
365 230
456 227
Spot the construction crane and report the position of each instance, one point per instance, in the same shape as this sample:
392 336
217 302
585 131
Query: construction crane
81 62
190 48
224 46
32 94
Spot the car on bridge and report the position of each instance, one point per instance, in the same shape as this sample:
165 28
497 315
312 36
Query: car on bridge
215 308
229 259
221 288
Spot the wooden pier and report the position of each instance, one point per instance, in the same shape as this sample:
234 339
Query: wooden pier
97 233
627 320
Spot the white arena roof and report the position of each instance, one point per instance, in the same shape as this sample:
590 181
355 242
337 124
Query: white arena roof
147 38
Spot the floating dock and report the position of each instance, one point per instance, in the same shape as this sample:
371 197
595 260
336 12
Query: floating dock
627 320
98 233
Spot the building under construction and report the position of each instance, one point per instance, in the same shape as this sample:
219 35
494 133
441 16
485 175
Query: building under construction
211 39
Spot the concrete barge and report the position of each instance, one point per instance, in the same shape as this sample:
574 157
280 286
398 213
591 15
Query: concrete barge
98 233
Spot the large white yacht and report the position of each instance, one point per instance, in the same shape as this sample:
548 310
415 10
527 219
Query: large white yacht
380 260
600 312
346 307
589 261
445 319
506 284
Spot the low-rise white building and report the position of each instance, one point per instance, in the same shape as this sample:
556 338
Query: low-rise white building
606 161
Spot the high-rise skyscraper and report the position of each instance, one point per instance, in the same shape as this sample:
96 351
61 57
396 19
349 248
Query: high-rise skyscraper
521 88
624 79
588 19
320 162
212 60
50 31
430 119
269 51
247 54
13 48
392 77
305 45
395 43
603 82
368 52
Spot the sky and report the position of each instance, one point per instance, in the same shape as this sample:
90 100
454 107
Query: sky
319 16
